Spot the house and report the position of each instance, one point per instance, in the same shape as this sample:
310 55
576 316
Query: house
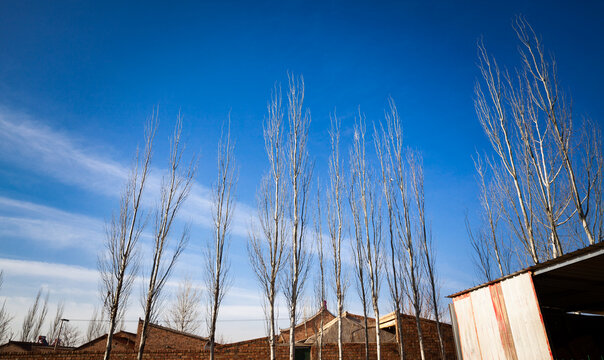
551 310
353 331
158 338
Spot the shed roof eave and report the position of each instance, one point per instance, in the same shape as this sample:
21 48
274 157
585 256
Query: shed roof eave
544 267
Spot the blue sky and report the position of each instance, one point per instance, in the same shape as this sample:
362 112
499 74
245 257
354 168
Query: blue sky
78 79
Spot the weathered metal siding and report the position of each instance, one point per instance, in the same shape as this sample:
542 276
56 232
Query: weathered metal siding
502 321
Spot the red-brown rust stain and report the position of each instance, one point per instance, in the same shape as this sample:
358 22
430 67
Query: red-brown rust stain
507 340
475 329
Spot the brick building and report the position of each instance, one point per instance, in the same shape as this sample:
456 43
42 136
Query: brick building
169 344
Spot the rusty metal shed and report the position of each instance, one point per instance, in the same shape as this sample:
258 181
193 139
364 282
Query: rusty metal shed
552 310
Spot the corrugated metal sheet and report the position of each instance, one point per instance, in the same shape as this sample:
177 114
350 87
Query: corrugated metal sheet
502 321
528 331
468 337
486 322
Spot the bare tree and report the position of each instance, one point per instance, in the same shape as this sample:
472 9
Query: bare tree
265 250
119 264
543 165
482 252
34 318
300 174
593 145
492 214
358 251
5 317
175 188
217 266
96 325
426 244
394 276
320 290
497 126
184 315
402 216
335 216
70 335
369 213
53 329
542 88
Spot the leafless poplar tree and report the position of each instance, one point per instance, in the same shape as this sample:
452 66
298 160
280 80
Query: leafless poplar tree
358 251
394 276
53 329
492 214
265 250
369 213
402 215
544 166
335 218
184 315
5 317
217 266
426 244
175 188
479 240
34 318
70 335
96 325
593 145
119 264
496 123
542 88
321 293
300 174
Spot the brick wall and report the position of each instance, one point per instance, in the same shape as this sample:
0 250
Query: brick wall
431 343
257 349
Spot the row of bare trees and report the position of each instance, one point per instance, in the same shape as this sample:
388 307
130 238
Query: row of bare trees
121 263
59 332
541 187
278 250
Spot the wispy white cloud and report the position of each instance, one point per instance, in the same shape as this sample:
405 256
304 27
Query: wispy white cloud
31 144
46 270
53 227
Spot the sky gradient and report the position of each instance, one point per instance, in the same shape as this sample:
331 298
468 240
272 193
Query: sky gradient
78 79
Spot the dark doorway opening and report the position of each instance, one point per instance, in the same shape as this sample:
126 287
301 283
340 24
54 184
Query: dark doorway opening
302 353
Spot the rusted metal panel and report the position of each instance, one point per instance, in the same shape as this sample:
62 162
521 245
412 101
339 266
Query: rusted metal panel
528 331
468 337
503 322
487 328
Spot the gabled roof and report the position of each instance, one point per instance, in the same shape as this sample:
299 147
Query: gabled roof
353 331
309 326
176 331
359 318
128 336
